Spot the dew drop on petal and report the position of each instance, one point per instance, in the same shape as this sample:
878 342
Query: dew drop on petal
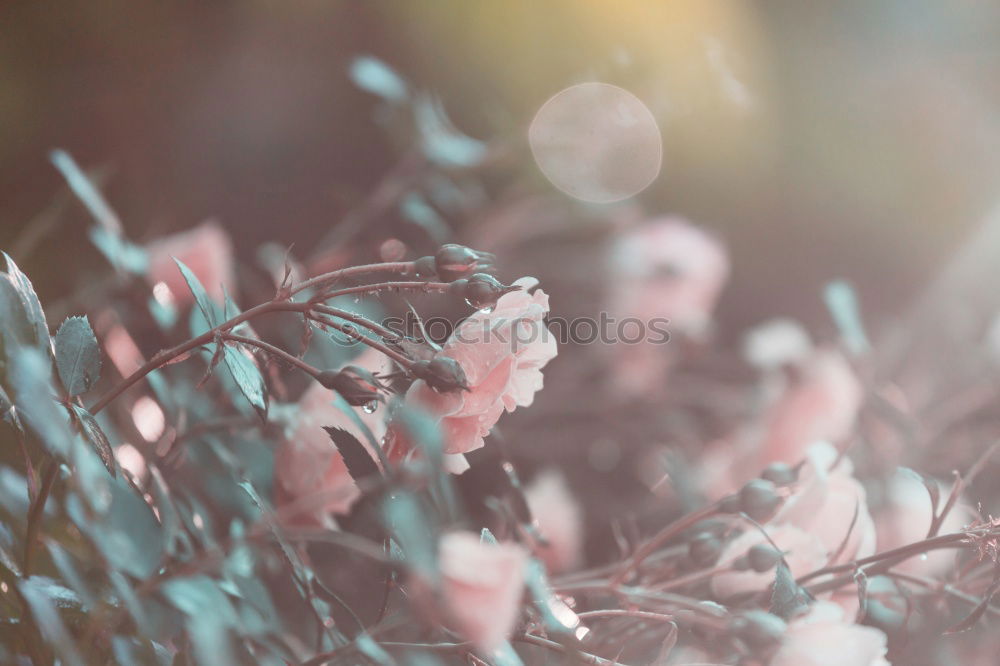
370 407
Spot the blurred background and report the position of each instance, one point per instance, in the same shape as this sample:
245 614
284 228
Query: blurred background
851 140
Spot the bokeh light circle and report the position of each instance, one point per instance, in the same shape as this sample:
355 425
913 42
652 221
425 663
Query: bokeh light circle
597 142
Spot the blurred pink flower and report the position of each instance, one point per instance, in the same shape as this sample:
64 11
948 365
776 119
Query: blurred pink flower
502 353
822 637
820 404
905 517
482 585
205 249
558 520
666 268
311 479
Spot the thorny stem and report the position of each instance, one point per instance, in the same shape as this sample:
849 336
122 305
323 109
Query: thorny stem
278 304
273 351
937 585
387 286
403 360
960 484
358 320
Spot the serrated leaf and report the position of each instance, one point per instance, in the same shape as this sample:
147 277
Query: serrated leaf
360 464
29 302
247 377
78 356
787 597
199 293
95 436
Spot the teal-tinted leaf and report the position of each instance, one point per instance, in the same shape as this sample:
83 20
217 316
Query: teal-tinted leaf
85 191
44 599
441 142
127 534
418 211
200 295
548 604
376 77
210 616
29 303
121 254
247 377
70 573
130 601
504 655
78 356
173 536
359 462
842 302
787 596
31 380
95 435
7 411
407 521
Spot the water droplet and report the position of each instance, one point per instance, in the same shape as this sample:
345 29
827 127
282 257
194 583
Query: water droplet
370 407
923 557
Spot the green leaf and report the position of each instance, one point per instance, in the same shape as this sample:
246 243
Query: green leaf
376 77
787 597
29 302
200 295
78 357
95 436
31 379
360 464
247 377
44 599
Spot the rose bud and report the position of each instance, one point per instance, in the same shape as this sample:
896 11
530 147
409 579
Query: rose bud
704 548
763 557
452 262
759 629
481 290
359 387
442 374
729 504
780 474
759 499
424 266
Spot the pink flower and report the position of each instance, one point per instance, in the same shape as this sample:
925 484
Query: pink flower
906 517
205 249
820 404
558 520
667 269
502 354
311 479
823 638
482 585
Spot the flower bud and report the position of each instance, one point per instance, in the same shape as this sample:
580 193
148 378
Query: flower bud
763 557
759 499
452 262
780 474
730 504
704 548
759 629
482 290
358 386
441 374
424 267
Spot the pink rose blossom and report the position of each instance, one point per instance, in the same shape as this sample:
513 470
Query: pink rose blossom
558 520
205 249
482 585
822 637
311 479
906 517
669 269
502 354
